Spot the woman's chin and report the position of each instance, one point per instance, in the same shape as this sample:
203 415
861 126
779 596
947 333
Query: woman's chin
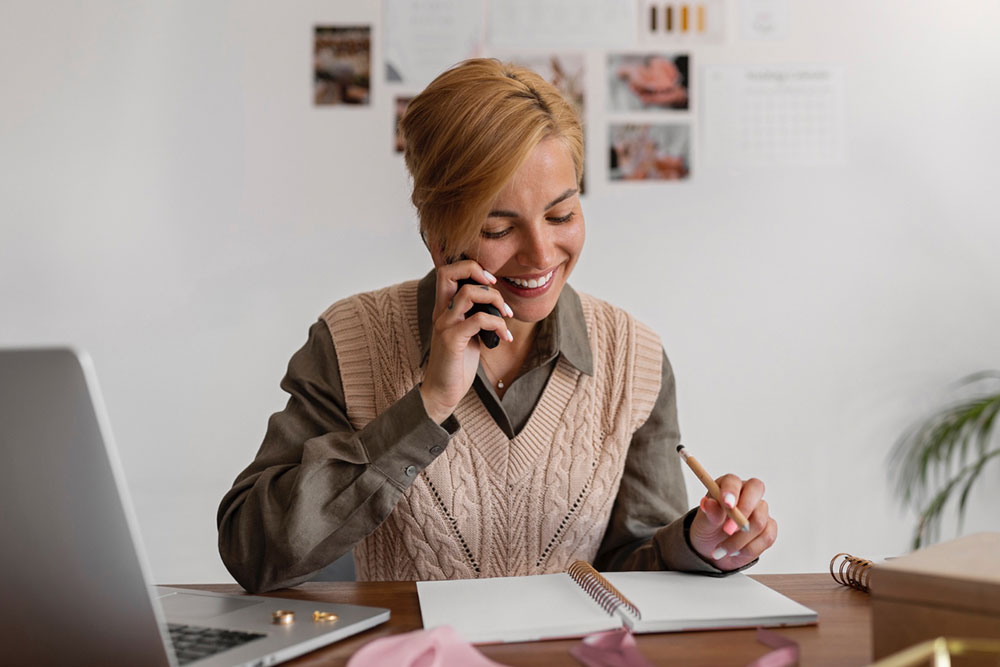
528 310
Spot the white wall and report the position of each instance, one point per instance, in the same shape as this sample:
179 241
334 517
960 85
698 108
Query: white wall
171 200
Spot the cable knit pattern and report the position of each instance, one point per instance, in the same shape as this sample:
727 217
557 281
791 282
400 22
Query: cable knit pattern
490 506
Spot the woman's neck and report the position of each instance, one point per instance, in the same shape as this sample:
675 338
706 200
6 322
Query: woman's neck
503 363
523 332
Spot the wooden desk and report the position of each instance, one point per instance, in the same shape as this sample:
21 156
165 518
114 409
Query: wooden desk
842 637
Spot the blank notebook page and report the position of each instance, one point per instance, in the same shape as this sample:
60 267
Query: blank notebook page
672 601
511 609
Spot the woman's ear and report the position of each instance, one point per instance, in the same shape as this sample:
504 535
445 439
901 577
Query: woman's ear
437 252
437 256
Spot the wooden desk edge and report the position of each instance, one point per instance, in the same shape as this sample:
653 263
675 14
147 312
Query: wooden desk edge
842 636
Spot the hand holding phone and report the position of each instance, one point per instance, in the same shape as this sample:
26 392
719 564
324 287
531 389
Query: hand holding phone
453 360
488 338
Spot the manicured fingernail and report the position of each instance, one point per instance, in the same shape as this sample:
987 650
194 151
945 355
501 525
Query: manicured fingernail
489 276
510 313
719 553
729 527
730 500
704 501
510 337
734 554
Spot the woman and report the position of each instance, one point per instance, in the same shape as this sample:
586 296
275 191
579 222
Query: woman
434 456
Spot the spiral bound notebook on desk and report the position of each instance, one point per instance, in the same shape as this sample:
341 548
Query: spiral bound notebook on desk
581 601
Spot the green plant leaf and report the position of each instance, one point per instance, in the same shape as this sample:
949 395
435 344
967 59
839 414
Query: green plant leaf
975 470
946 452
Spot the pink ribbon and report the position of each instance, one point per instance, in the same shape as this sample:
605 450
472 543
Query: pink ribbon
615 648
439 647
785 653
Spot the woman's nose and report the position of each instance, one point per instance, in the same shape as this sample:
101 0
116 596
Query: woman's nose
538 248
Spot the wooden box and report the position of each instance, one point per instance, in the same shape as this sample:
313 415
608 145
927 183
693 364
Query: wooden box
951 589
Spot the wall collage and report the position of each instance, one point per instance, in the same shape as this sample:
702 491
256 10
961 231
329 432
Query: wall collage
643 51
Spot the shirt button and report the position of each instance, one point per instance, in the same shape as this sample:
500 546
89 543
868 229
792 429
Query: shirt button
411 471
437 449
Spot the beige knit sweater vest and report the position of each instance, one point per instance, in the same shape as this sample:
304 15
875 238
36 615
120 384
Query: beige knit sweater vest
490 506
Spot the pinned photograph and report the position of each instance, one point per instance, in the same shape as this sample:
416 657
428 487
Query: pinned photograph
342 65
650 152
402 101
647 81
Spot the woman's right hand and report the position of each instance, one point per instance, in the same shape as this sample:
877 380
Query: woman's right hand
454 352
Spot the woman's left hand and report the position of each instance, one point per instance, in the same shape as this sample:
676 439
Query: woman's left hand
718 539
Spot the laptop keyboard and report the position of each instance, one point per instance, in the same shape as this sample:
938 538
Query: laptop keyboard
192 642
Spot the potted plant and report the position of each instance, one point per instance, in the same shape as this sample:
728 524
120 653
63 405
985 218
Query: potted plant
943 455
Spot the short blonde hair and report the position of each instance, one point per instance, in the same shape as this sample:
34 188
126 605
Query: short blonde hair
467 134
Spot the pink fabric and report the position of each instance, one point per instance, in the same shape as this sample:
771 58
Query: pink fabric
785 653
440 647
615 648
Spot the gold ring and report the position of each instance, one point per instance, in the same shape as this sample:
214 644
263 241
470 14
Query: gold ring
283 617
324 616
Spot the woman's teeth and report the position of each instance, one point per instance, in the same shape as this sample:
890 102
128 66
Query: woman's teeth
532 283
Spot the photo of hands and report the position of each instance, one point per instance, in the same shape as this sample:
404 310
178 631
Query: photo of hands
647 81
647 152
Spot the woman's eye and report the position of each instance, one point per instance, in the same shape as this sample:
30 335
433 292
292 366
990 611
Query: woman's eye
498 234
565 218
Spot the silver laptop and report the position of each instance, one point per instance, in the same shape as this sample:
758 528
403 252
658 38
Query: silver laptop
75 580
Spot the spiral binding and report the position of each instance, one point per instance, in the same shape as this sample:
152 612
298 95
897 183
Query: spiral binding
600 589
853 571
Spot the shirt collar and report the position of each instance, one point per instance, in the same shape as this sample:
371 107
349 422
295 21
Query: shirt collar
563 332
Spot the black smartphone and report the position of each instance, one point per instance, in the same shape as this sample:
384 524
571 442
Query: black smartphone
488 338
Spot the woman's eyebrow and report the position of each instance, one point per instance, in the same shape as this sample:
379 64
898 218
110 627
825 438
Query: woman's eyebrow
566 195
511 214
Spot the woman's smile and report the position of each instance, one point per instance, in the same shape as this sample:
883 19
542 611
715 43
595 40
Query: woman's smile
530 286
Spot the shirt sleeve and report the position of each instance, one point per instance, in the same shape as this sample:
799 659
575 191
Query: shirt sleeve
650 520
317 486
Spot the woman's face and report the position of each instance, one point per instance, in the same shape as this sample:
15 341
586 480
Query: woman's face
534 232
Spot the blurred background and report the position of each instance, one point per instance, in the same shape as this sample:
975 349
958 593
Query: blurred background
173 201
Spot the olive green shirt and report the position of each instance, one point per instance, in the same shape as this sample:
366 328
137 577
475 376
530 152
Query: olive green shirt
318 486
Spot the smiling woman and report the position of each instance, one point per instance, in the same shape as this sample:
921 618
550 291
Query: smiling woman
433 456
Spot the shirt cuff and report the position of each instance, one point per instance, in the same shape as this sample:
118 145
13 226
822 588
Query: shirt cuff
674 546
675 551
404 440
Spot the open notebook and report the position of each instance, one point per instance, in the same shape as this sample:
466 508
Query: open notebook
581 601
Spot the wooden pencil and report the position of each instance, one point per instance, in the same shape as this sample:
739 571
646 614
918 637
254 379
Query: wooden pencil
713 489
